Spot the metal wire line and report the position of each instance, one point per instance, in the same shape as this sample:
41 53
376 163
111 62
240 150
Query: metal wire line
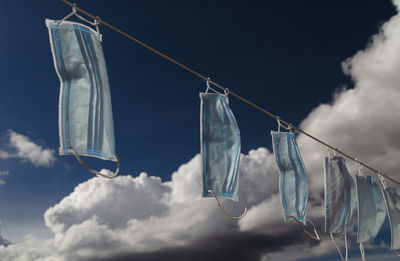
226 90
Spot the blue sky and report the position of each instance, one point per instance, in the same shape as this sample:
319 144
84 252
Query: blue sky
286 56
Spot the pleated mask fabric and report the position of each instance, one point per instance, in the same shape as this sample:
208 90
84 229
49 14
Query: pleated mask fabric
371 209
85 113
340 195
392 202
293 181
220 147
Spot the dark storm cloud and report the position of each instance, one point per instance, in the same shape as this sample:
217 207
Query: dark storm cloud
235 246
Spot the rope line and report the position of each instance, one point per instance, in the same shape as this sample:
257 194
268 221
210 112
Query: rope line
226 90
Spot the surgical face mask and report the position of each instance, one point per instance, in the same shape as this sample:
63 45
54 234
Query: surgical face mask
85 114
371 209
220 147
392 202
340 195
293 181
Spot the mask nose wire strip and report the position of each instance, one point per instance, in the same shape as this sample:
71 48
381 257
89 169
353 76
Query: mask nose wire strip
315 236
101 21
337 247
96 172
226 213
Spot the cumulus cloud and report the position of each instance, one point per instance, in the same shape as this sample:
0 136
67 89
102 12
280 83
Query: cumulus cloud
22 147
143 218
3 173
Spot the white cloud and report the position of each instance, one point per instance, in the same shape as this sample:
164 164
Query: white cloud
25 149
3 173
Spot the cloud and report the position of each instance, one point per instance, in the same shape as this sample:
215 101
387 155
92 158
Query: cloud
363 121
3 173
25 149
145 218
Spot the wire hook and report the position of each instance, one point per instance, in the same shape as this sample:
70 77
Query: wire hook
288 126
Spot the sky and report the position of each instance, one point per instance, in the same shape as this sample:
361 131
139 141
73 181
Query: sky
330 67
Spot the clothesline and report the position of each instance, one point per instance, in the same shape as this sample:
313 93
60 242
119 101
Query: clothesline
226 90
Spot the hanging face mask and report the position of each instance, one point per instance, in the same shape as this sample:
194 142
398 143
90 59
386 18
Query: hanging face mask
220 147
340 198
371 209
340 195
293 181
85 113
392 202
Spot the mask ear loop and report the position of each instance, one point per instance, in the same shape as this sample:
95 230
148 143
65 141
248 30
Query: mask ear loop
69 15
315 236
95 23
330 153
383 180
94 171
226 213
362 251
360 168
208 85
209 88
337 247
288 127
226 93
361 174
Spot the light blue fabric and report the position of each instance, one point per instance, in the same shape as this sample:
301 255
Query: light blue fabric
293 181
85 113
220 147
340 195
371 209
392 202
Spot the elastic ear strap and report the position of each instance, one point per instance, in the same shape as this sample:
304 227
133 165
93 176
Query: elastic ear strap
347 248
226 213
337 247
288 126
362 252
68 16
94 171
315 236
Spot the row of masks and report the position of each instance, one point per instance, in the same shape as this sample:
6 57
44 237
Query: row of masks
86 128
341 195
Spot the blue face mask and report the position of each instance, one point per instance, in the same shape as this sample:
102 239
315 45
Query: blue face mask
392 202
340 198
85 114
220 147
371 209
340 195
293 181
